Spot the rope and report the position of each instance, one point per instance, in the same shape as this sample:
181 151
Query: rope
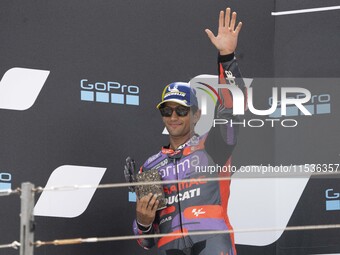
7 192
124 184
14 245
122 238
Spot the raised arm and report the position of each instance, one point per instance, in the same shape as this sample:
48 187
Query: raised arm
226 39
228 73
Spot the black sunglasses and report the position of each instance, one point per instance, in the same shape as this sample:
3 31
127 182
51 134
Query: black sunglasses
180 110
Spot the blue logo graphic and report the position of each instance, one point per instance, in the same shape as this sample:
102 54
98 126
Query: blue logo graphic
319 104
5 181
132 197
109 92
333 200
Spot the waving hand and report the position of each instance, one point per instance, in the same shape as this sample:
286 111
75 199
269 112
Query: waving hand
226 39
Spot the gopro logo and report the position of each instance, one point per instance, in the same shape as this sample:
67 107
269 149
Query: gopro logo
319 104
332 200
109 92
20 87
5 181
132 196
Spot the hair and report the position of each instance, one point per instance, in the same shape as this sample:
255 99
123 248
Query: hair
194 109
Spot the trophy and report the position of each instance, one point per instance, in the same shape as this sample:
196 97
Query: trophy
132 176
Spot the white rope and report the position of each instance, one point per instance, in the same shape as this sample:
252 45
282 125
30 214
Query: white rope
8 192
122 238
163 182
124 184
14 245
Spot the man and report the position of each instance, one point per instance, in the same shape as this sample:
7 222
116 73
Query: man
193 205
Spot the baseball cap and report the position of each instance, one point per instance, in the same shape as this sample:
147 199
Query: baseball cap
179 92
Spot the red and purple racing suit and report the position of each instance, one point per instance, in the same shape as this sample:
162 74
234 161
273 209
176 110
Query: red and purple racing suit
197 205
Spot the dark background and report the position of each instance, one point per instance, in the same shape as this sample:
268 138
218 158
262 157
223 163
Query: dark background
150 44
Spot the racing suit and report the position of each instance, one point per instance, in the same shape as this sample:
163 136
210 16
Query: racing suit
197 205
